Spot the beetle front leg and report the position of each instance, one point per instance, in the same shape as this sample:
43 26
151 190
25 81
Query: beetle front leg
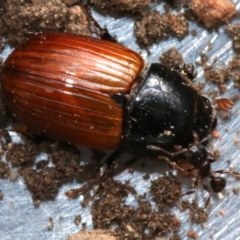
173 164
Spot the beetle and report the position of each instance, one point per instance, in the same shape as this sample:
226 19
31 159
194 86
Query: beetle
90 92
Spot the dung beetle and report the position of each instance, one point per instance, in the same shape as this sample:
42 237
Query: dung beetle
90 92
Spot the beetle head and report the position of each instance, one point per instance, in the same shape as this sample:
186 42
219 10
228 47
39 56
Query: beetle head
201 159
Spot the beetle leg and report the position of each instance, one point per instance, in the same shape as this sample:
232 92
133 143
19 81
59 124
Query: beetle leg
195 138
231 172
223 171
103 32
197 141
188 193
212 157
206 188
156 148
119 168
111 159
173 164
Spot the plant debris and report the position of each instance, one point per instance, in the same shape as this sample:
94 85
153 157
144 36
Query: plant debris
211 12
94 234
192 234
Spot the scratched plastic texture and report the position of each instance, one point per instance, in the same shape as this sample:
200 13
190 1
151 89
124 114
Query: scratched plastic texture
19 219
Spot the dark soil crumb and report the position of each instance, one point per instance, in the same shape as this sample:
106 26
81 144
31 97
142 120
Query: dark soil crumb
153 27
13 176
84 226
197 214
121 5
87 197
146 176
66 161
109 209
77 219
44 182
166 192
175 237
1 195
204 59
109 205
236 191
70 3
51 224
4 170
18 21
3 111
234 69
41 164
1 47
172 58
7 144
178 4
234 32
43 185
178 25
185 205
21 154
86 172
219 76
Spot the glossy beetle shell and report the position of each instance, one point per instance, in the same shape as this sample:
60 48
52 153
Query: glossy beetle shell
61 85
166 111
